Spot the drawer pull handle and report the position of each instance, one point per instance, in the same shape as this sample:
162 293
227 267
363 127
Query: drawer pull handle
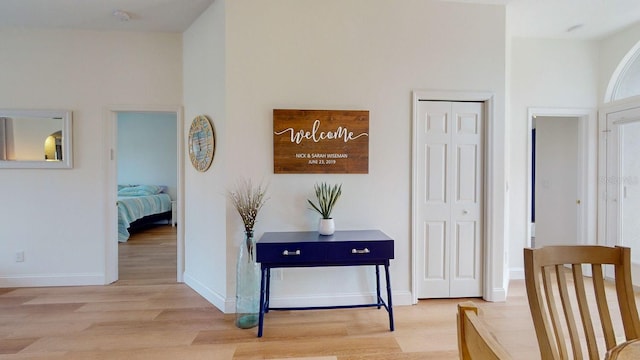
363 251
289 253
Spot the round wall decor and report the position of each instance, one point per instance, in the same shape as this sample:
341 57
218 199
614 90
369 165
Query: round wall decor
202 143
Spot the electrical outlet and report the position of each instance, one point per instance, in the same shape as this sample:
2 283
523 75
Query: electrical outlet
20 256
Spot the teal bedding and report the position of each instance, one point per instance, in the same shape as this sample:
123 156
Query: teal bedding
132 208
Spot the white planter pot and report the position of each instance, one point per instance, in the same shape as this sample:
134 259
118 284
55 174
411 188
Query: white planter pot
326 227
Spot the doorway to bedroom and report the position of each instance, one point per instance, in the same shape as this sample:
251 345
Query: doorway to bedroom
147 193
143 151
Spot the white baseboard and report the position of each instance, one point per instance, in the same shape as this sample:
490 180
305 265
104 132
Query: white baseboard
398 299
215 298
38 280
402 298
228 305
497 295
516 274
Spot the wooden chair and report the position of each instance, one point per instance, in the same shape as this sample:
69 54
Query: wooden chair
546 272
475 341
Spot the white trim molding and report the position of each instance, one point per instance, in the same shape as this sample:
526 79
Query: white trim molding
40 280
110 142
495 274
399 298
587 149
619 72
226 305
603 114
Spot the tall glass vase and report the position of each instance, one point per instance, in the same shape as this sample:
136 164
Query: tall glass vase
247 284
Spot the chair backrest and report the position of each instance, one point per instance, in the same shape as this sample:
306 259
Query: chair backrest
475 341
547 273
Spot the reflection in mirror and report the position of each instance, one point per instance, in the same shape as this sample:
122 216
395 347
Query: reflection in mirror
53 147
35 139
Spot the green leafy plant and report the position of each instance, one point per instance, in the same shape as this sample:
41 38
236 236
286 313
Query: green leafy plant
327 196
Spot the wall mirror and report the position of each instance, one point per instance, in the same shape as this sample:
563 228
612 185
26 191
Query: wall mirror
37 139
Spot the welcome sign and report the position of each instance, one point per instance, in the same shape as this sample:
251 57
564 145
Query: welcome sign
320 141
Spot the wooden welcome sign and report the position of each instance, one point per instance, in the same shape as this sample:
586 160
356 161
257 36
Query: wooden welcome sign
320 141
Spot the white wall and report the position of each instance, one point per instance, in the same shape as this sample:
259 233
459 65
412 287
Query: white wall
545 74
241 60
58 216
332 55
561 74
205 193
147 150
350 61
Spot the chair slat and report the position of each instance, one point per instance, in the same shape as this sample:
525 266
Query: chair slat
533 284
603 307
585 315
553 311
572 328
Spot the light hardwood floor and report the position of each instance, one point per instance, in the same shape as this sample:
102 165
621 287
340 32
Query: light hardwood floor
147 315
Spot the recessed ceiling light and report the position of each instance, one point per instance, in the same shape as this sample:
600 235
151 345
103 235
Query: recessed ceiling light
121 15
575 27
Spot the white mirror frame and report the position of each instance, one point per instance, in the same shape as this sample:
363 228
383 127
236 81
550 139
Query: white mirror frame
67 140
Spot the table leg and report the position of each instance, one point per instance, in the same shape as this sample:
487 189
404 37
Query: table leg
263 298
378 299
267 291
389 302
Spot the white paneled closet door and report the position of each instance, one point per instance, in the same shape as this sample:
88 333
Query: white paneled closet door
450 194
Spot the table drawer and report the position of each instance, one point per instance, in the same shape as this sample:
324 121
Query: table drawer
361 251
290 253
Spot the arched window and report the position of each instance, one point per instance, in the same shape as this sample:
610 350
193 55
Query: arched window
625 81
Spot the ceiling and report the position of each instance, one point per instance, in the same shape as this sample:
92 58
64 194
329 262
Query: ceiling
526 18
145 15
552 18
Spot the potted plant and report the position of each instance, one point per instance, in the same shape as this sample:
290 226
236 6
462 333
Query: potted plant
326 195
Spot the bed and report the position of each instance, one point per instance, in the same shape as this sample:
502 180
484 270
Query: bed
139 206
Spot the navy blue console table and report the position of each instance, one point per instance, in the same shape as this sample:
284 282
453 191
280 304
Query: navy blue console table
310 249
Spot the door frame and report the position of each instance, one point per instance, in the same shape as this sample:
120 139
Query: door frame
110 145
587 143
492 290
603 114
626 104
